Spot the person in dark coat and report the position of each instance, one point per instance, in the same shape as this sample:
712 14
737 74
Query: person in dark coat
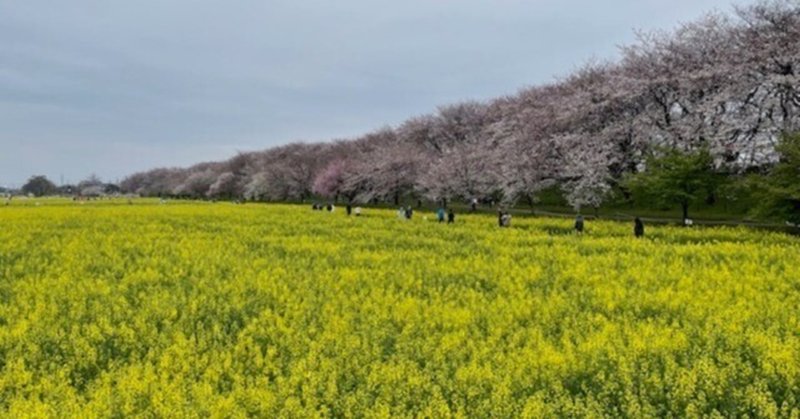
451 217
349 209
500 218
579 224
638 227
329 207
409 212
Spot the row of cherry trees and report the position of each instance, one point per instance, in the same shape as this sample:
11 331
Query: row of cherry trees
728 83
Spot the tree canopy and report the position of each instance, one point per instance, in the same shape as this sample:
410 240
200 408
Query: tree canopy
675 177
39 186
729 84
779 191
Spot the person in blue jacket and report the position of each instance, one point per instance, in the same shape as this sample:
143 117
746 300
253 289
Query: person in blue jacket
440 214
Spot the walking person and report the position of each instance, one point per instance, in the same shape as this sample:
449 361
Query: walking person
638 227
440 214
504 218
451 216
579 224
349 209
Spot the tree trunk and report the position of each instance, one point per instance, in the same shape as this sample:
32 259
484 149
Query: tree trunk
685 209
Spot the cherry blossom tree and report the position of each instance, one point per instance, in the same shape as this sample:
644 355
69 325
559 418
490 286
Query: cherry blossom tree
226 185
725 84
330 181
586 177
196 185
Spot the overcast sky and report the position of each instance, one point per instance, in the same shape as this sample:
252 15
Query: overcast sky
113 87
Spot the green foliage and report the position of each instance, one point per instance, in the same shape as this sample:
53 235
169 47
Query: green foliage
778 192
675 177
39 186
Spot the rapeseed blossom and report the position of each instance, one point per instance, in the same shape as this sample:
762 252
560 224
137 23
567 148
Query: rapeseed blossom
203 309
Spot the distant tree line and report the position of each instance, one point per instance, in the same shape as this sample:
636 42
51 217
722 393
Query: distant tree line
682 116
40 185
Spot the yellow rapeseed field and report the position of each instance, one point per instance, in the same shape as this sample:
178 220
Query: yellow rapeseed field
201 309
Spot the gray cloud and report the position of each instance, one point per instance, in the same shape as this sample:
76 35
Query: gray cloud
112 87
